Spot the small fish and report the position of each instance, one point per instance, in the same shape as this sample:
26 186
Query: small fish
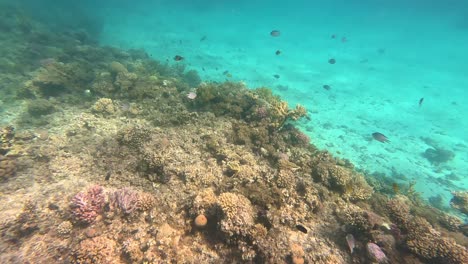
228 75
276 76
351 242
344 40
326 87
225 72
203 38
275 33
332 61
278 52
192 95
380 137
396 188
178 58
421 101
333 36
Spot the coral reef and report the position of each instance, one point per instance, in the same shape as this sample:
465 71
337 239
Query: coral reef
153 176
460 201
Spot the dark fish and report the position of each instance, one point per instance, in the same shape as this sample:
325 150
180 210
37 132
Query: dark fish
396 188
203 38
326 87
421 101
276 76
278 52
380 137
333 36
225 72
275 33
301 228
178 58
332 61
108 174
344 40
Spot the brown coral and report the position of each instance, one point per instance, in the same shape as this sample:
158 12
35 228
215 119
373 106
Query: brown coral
426 242
95 250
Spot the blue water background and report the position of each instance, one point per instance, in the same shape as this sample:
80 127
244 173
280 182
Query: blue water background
389 54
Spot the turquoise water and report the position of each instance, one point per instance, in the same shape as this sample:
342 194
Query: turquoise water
389 55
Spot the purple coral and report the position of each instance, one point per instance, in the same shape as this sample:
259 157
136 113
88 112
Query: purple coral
376 254
86 206
126 200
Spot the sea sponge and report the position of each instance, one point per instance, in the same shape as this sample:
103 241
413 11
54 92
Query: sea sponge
460 201
201 221
426 242
7 167
238 214
96 250
104 106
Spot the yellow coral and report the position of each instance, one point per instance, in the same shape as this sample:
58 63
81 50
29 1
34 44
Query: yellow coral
104 106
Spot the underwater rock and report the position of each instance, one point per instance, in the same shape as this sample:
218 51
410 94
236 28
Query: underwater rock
375 253
7 135
40 107
7 167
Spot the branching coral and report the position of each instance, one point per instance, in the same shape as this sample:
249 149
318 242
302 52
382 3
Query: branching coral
238 214
95 250
86 206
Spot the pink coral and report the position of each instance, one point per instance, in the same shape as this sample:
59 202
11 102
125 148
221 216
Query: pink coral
376 254
86 206
126 200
